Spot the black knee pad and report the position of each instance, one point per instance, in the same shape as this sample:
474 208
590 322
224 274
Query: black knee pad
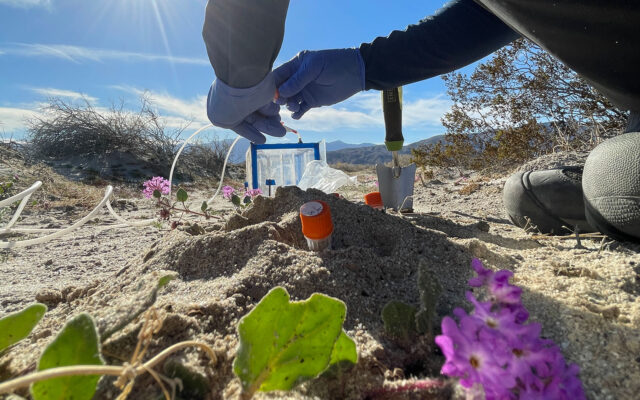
611 187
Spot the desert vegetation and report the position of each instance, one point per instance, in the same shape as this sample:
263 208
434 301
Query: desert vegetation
519 105
67 130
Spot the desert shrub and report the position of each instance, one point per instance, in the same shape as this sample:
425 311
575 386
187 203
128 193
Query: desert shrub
349 167
203 157
519 105
67 130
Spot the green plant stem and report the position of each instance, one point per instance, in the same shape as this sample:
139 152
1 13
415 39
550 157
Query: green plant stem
173 208
76 370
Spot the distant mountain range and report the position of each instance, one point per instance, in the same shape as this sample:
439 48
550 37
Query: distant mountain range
339 151
240 149
373 154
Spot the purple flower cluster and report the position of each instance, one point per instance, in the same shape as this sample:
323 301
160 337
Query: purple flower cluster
228 192
253 193
156 183
494 348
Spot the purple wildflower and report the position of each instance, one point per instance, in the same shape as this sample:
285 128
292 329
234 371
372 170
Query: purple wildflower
253 193
502 291
469 359
494 349
227 192
483 273
156 183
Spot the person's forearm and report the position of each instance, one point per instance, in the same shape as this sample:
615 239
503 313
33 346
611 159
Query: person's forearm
458 34
243 38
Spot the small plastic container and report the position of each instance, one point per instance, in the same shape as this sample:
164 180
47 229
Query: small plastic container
374 200
317 225
283 164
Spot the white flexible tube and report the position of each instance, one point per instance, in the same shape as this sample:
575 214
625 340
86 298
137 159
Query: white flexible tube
25 195
61 232
173 166
175 159
143 222
224 168
28 192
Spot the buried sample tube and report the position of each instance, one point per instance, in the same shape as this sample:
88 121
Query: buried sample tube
374 200
317 225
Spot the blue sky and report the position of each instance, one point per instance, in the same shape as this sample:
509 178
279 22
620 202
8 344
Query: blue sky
108 50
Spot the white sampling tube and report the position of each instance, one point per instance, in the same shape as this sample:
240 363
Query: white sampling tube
61 232
224 168
22 195
173 166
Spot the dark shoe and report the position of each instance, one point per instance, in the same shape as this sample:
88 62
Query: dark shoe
547 201
611 183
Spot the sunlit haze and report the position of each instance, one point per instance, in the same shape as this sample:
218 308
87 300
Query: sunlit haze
112 50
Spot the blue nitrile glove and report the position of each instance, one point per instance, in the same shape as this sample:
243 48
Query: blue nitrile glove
249 112
319 78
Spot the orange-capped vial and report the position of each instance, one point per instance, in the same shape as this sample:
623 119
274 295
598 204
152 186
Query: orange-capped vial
317 226
374 199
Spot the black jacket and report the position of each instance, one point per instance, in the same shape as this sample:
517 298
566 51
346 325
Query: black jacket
599 39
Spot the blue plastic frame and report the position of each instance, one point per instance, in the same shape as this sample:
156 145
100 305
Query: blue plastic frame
276 146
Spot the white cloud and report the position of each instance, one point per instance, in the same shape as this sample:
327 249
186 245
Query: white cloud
14 119
425 112
174 108
364 111
79 54
26 3
52 92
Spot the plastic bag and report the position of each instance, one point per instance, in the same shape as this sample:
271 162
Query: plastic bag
319 175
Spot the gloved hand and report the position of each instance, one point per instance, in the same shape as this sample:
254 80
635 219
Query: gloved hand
249 112
319 78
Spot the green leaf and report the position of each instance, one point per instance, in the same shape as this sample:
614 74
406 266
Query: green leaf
399 319
164 281
235 200
157 194
76 344
343 357
283 343
204 206
247 200
182 195
344 350
17 326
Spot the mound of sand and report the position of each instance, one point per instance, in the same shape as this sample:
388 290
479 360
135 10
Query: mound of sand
586 299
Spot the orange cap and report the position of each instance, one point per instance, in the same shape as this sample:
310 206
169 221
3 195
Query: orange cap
316 220
373 199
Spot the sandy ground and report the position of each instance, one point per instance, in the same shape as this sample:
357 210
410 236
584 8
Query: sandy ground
585 296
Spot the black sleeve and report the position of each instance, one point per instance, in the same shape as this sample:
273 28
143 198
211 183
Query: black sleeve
243 38
456 35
